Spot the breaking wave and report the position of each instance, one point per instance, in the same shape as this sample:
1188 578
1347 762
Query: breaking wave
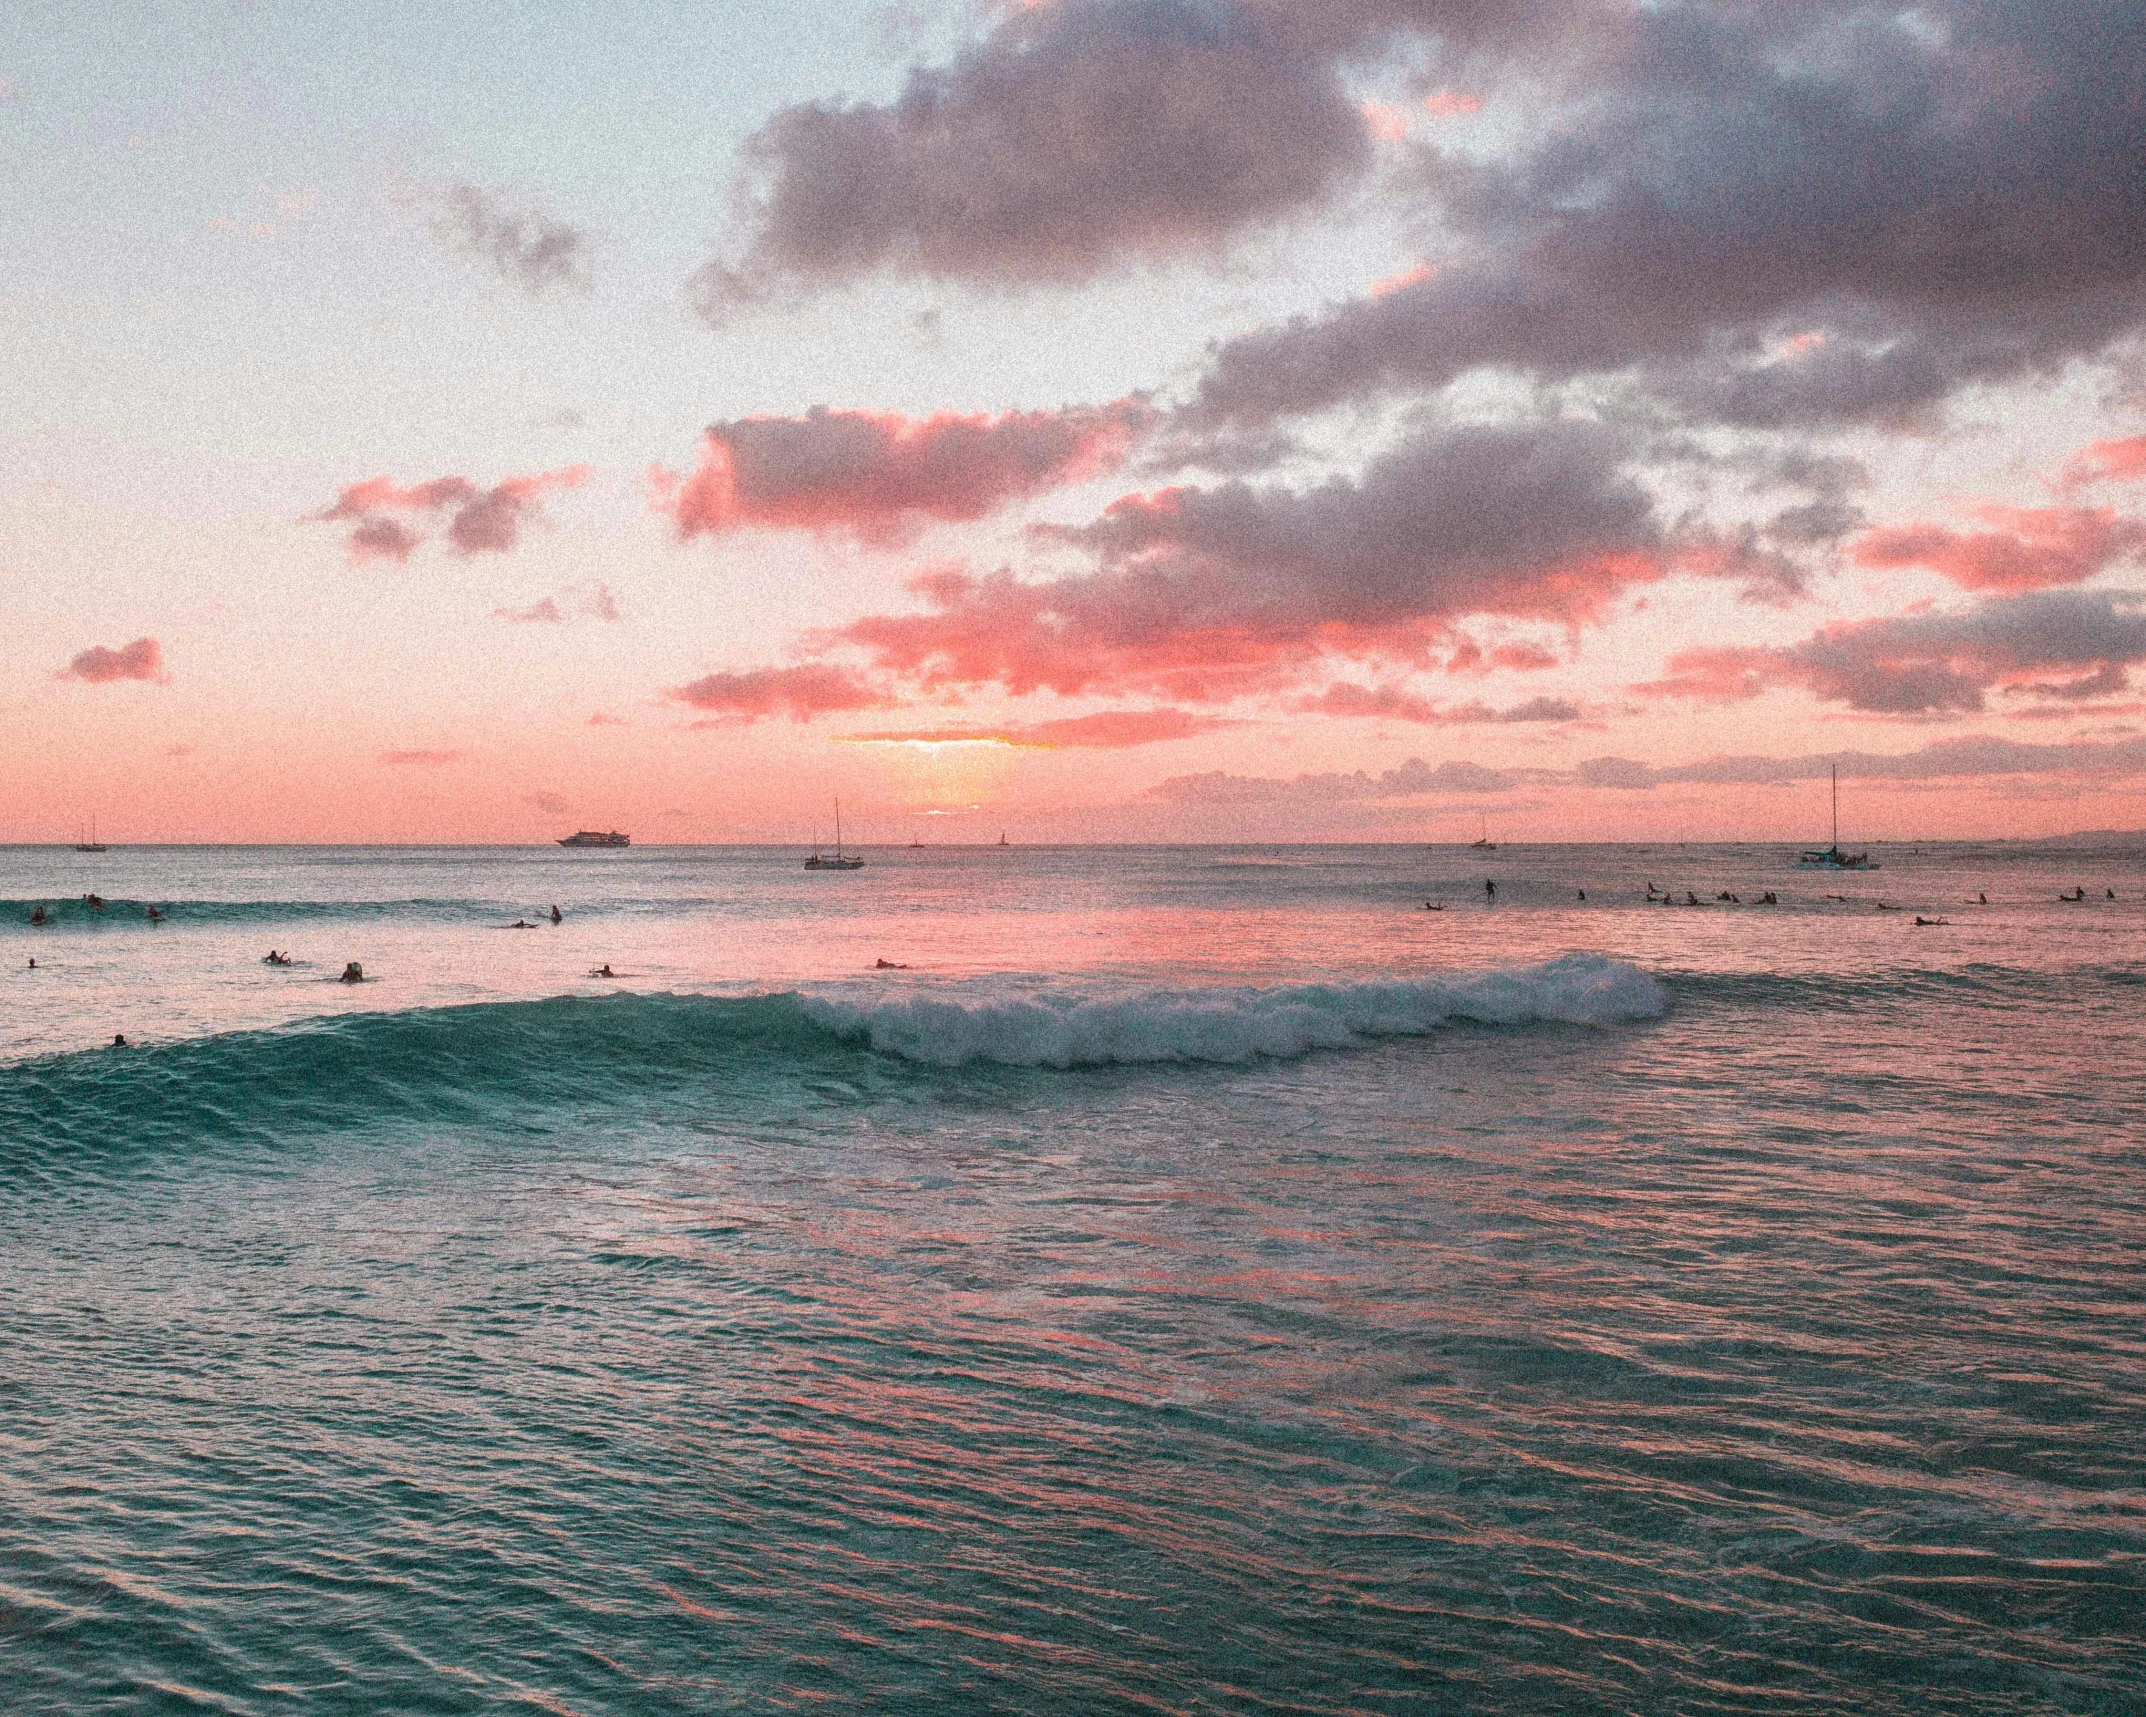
530 1063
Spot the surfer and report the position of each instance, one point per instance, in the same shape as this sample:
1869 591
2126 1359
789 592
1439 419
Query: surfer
154 916
33 962
604 971
352 974
1690 899
272 958
1982 899
119 1040
95 902
37 915
1926 923
519 924
557 916
1583 894
888 966
1490 891
1767 899
1429 907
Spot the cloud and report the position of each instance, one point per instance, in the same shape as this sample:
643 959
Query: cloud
1389 703
482 521
1066 140
1771 216
878 475
2051 644
419 759
1966 757
1201 594
1409 780
101 665
1108 730
601 719
799 693
2119 461
549 803
526 247
592 602
2031 548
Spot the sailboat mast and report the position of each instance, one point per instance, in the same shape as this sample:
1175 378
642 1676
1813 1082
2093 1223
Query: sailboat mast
1836 807
838 828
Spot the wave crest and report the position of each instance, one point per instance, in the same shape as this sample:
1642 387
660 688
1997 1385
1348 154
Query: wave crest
1075 1028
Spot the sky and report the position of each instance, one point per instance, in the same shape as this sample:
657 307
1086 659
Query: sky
1110 420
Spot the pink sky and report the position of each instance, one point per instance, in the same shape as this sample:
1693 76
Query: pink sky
1359 422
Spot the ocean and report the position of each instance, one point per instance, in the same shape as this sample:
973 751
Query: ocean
1180 1281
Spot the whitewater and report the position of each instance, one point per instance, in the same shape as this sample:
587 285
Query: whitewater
1086 1280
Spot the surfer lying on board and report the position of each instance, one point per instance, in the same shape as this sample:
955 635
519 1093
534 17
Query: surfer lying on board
603 971
1926 923
272 958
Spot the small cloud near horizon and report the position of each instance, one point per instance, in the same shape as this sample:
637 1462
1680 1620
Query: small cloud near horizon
100 665
420 759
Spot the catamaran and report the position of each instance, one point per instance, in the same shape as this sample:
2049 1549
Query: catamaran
1833 858
838 860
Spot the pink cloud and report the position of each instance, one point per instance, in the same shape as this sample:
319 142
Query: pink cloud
484 520
2107 462
420 759
878 476
2053 645
1451 104
100 665
1108 730
799 693
2030 548
1392 704
589 602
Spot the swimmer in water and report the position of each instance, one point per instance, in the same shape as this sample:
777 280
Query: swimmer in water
155 916
37 915
603 971
888 966
352 974
119 1040
94 901
33 962
1583 894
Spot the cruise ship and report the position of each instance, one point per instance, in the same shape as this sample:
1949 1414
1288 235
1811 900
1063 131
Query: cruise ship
596 838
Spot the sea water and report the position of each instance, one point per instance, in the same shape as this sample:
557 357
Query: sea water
1180 1281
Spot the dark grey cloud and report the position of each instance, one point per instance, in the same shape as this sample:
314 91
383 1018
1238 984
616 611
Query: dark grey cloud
1203 594
1924 198
2059 644
527 247
1065 140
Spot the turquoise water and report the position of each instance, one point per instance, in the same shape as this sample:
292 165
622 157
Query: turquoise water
1200 1282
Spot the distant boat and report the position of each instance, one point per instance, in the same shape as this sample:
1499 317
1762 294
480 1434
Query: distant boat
1002 837
838 860
596 838
91 845
1486 844
1833 858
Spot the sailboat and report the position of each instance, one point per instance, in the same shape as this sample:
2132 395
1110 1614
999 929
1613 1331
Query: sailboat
838 860
91 845
1486 844
1833 858
1002 837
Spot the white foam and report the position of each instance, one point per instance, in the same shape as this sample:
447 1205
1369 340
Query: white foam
1032 1026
